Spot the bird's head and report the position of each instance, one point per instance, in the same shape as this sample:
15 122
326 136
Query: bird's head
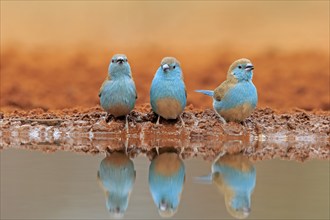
238 206
117 204
241 70
166 209
119 66
170 67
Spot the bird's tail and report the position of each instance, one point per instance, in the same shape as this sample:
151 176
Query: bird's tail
206 92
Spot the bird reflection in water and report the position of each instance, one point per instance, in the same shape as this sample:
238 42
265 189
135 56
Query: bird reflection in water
117 176
235 176
166 178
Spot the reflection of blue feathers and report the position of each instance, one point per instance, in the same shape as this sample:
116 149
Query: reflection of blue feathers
117 176
235 176
237 179
166 178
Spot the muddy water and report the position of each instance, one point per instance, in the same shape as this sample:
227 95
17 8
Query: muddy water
63 185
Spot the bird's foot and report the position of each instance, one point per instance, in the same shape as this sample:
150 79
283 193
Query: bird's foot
157 123
221 119
233 128
182 122
108 118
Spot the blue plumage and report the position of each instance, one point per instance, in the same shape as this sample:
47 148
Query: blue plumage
235 98
166 179
243 92
117 176
235 176
168 94
118 93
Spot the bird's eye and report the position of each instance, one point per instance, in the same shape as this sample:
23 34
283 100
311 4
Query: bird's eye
240 67
126 60
112 61
174 67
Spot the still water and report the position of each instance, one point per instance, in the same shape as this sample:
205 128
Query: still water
66 185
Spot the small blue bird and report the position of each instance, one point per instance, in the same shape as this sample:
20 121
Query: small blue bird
235 177
117 176
168 94
118 93
236 98
166 178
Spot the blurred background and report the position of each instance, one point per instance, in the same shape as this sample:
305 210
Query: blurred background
55 54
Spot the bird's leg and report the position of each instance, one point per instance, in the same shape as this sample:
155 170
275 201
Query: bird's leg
182 122
221 118
107 151
157 123
108 117
181 151
126 146
221 154
126 125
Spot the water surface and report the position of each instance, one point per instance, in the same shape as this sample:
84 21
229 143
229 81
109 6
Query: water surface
64 185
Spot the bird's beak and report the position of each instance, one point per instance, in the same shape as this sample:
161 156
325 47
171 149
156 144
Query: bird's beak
249 67
165 67
120 60
246 212
163 206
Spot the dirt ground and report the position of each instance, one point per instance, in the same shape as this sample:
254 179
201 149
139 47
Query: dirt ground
51 79
267 134
54 95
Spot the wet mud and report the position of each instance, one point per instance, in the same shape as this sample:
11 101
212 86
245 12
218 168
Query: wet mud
266 134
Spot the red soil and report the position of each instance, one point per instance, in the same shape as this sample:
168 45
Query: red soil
267 134
53 80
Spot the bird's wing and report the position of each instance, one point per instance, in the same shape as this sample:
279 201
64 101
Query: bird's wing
185 90
221 90
136 96
101 89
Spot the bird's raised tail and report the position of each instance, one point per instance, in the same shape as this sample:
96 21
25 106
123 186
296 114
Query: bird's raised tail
206 92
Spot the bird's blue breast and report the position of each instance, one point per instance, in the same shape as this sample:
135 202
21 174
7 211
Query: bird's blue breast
117 178
117 175
167 87
166 183
238 103
242 93
118 93
237 179
239 184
